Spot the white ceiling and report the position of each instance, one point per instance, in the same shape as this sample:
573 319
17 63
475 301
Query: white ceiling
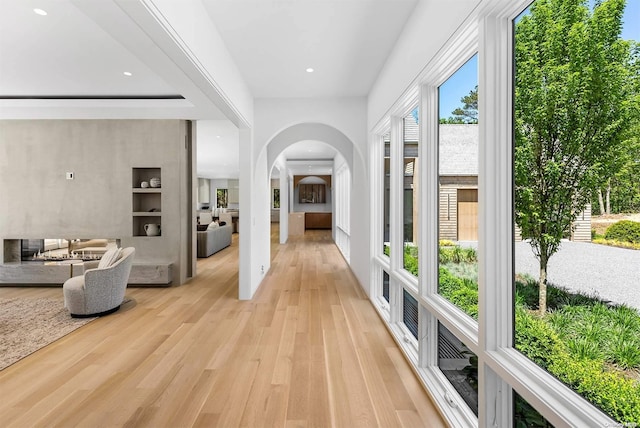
309 157
273 42
66 54
81 48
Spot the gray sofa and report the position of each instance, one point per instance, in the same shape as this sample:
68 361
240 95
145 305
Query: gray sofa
213 240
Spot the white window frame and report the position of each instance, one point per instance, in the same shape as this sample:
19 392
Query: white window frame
501 368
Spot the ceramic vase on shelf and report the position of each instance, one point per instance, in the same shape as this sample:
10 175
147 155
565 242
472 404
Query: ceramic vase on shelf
152 229
154 182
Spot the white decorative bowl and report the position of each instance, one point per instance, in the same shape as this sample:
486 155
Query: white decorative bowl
154 182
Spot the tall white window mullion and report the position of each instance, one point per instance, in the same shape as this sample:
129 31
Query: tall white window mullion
428 282
395 219
495 272
396 186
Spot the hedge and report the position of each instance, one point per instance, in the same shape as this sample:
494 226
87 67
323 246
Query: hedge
624 231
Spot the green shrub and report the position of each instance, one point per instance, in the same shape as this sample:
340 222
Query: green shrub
466 298
625 352
615 243
527 291
411 259
462 292
535 338
598 331
462 270
613 393
625 231
610 390
457 254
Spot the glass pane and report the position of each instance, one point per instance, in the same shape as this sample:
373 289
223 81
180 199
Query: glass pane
525 416
385 285
410 196
386 195
458 188
577 300
459 365
410 313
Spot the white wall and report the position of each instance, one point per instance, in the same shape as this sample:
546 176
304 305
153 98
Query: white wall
191 26
347 115
423 36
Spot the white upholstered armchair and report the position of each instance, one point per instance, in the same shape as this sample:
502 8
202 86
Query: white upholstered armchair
99 291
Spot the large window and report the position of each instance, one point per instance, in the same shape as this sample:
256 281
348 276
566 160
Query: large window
386 189
458 139
576 300
411 193
491 200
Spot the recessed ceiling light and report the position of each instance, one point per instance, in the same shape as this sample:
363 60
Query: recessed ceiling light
217 136
309 70
127 73
39 12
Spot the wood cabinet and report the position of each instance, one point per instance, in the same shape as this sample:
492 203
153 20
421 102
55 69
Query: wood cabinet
317 220
296 224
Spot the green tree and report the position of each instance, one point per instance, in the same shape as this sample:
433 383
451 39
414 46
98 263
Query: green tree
468 113
570 111
619 189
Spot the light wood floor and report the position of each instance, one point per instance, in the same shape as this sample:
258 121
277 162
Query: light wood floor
308 350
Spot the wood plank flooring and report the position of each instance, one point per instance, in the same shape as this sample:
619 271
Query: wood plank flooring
308 351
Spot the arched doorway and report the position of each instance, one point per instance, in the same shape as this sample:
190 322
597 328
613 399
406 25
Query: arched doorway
326 182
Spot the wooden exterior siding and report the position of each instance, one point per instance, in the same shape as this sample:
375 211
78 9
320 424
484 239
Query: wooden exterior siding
581 228
448 217
448 227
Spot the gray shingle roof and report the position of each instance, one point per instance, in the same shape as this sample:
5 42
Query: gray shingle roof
458 149
458 146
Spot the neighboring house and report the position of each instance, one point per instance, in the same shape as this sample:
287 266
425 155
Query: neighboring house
458 167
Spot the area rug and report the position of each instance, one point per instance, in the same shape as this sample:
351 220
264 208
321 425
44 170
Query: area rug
27 325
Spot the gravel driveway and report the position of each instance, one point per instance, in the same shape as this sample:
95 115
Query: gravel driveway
610 273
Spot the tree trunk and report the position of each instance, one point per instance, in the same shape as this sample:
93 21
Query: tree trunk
542 283
609 196
601 202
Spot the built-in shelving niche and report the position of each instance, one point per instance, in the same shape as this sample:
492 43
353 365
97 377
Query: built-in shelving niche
147 201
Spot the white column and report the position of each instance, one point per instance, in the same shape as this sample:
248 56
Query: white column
284 206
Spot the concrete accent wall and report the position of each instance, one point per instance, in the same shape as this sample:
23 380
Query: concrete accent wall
37 201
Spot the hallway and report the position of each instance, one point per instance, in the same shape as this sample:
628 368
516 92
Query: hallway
308 350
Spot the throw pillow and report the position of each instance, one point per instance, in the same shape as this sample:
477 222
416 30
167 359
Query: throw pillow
109 258
212 225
